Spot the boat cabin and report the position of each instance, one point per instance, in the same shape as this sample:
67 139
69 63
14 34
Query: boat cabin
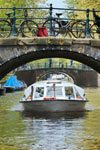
55 89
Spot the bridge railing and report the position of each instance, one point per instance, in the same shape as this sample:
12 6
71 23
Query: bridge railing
59 65
70 24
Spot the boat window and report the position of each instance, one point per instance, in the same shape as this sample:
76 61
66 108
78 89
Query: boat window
54 91
39 92
69 92
77 94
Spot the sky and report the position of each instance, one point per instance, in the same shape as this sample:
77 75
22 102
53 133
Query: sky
57 3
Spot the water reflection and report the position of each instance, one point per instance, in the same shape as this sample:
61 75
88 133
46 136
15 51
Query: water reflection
53 130
47 115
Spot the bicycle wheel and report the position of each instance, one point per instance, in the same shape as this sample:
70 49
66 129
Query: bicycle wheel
65 32
93 32
28 28
68 34
78 29
55 28
5 28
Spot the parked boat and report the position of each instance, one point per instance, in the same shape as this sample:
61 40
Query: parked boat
2 90
54 96
13 84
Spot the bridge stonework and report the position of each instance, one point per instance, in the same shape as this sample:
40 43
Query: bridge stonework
15 52
83 78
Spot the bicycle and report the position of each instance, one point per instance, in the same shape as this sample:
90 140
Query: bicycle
27 27
65 28
95 27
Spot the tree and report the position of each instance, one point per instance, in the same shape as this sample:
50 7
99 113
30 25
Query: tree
84 4
19 3
22 4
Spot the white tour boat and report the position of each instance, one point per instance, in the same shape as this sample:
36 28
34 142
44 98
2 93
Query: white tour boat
54 96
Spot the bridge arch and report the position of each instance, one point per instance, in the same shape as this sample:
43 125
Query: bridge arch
69 76
24 58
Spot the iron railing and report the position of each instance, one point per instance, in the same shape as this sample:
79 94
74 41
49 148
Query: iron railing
17 18
58 65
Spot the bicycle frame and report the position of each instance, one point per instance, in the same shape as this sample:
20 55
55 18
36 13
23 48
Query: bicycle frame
10 20
66 26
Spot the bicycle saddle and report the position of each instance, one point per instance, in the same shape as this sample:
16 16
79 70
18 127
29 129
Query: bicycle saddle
58 14
8 14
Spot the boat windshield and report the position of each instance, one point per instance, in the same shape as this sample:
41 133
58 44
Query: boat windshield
39 92
54 91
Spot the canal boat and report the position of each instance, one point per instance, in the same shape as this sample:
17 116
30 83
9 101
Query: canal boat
2 90
13 84
54 96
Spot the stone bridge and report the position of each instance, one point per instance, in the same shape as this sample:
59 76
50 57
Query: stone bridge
15 52
83 78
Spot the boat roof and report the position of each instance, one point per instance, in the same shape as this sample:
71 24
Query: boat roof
45 83
59 83
50 82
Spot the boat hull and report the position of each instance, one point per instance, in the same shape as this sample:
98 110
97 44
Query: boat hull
12 89
9 89
54 105
2 91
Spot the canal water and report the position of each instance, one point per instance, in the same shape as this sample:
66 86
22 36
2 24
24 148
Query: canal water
58 131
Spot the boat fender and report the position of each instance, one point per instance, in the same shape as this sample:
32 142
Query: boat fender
46 98
29 98
79 97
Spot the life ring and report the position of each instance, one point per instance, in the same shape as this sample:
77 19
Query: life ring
53 98
48 98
